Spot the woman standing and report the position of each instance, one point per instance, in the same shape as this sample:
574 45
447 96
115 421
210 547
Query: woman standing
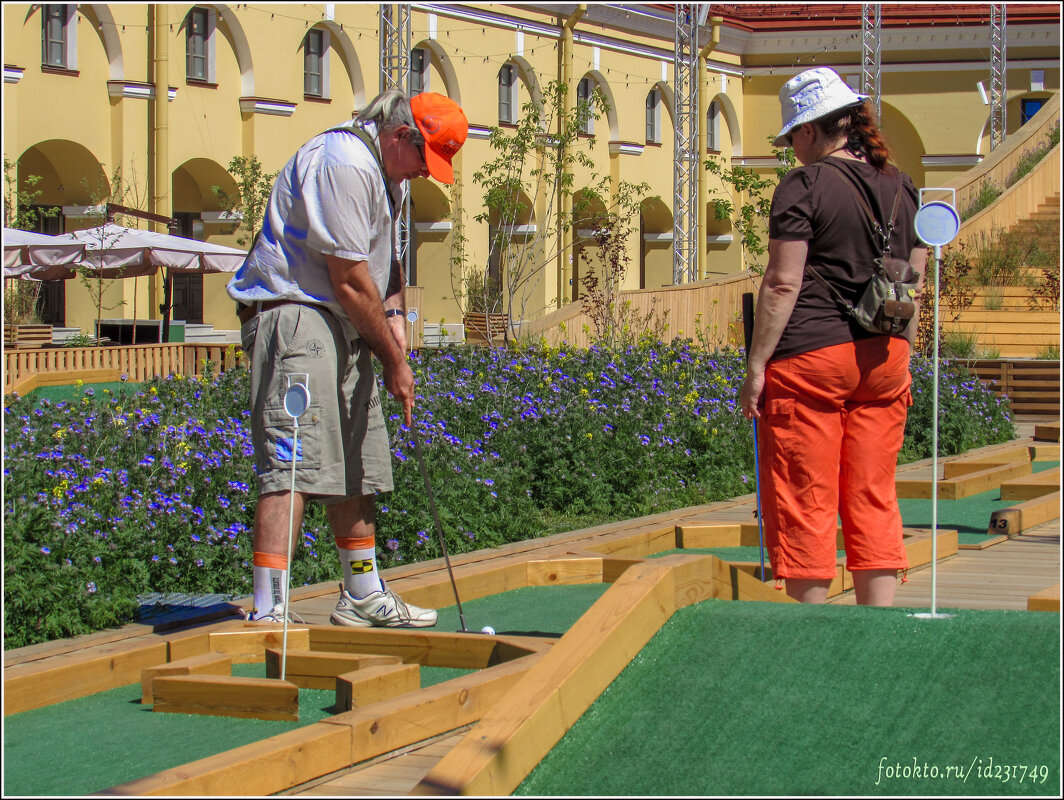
831 397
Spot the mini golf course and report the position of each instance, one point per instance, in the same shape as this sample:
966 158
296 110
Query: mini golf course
621 664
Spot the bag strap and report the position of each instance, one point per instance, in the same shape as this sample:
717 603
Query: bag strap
882 231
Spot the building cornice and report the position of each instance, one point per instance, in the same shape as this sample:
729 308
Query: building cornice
137 90
266 105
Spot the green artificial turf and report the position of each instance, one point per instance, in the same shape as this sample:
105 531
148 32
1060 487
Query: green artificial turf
772 699
108 738
968 515
532 611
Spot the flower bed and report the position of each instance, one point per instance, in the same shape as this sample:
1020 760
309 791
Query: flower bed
152 488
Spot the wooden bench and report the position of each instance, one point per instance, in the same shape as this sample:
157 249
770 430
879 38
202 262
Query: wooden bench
487 329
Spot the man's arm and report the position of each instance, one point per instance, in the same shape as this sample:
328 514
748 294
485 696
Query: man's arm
396 299
358 295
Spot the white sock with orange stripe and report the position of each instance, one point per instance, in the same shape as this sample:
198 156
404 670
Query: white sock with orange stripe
270 578
359 560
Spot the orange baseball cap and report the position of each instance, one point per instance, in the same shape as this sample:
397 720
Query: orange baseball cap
444 126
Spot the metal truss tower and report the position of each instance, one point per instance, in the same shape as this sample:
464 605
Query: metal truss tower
685 157
394 42
998 70
871 60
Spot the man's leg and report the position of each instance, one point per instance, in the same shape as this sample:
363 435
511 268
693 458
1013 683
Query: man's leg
275 516
365 600
353 528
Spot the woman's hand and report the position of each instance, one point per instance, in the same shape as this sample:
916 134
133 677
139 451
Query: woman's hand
750 395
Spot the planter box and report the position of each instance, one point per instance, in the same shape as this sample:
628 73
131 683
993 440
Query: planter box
1033 385
27 336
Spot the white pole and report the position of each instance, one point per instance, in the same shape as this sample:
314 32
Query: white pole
291 533
934 446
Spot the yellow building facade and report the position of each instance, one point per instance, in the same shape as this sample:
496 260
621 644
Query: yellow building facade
85 85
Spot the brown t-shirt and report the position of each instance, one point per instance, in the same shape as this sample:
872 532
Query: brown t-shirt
813 204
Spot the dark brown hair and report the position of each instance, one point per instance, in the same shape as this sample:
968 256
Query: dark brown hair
863 137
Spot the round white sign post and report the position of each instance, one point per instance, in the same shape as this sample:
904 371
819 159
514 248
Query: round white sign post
296 402
411 317
937 224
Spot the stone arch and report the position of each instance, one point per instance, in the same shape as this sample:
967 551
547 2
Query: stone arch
345 50
655 244
99 14
906 147
228 25
192 182
528 77
443 63
668 98
430 202
611 111
731 119
70 174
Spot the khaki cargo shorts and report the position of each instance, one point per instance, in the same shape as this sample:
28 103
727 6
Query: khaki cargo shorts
342 448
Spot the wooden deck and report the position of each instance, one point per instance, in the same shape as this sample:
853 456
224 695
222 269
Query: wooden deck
1001 576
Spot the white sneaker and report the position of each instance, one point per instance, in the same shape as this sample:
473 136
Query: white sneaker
381 609
276 615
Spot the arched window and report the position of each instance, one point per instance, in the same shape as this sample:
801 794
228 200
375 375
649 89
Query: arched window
419 71
508 93
654 117
583 101
59 36
713 126
316 63
199 45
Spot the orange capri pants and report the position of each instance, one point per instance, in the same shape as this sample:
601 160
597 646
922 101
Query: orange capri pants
832 424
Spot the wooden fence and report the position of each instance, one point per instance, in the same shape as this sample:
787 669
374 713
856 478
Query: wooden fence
710 309
24 370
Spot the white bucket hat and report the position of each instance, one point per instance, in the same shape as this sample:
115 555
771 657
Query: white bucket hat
810 95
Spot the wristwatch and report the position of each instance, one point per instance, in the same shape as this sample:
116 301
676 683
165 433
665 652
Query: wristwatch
393 312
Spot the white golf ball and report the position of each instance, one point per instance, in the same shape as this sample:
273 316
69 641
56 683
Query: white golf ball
488 630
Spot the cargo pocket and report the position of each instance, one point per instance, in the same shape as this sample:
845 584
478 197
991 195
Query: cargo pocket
781 407
281 444
249 331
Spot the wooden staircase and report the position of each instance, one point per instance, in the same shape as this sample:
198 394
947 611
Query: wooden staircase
1003 319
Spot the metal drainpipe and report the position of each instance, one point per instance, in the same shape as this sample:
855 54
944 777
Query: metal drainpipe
703 177
160 135
565 291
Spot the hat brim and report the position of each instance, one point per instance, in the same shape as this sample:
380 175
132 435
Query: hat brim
801 119
439 167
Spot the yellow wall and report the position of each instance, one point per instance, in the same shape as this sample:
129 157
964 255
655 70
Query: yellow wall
66 127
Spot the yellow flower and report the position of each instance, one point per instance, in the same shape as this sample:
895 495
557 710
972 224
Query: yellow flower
79 383
584 392
60 490
589 436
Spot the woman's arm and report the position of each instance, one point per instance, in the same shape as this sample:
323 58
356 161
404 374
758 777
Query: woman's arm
775 302
918 260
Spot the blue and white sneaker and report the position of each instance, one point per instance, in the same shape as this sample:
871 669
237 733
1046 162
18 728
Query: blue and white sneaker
380 609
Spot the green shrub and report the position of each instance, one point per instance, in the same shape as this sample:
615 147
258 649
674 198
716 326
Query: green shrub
113 496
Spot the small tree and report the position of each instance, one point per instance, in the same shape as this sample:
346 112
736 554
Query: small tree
253 193
21 213
615 324
533 168
101 241
752 204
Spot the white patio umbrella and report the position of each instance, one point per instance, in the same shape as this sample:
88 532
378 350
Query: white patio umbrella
37 256
127 252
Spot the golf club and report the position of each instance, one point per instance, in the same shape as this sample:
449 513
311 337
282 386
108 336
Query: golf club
748 335
296 402
439 529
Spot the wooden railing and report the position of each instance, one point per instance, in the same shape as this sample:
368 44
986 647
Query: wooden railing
1019 202
1001 163
24 370
712 307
